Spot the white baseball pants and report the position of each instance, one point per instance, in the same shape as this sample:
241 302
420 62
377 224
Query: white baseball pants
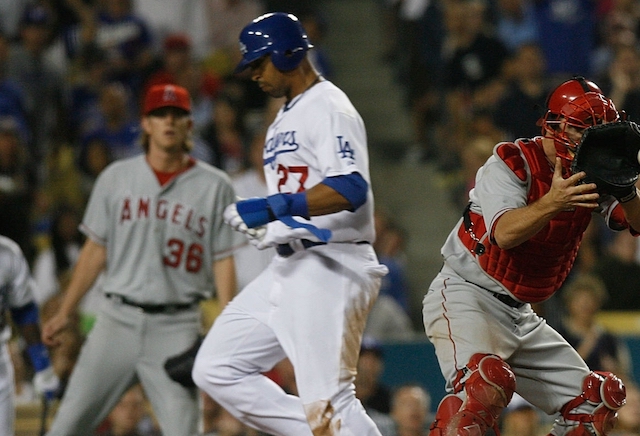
310 307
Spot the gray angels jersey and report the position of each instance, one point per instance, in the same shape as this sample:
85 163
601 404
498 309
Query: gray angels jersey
172 232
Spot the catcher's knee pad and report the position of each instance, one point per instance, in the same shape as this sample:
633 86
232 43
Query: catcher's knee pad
603 393
488 384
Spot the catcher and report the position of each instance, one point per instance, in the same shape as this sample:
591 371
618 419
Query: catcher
515 245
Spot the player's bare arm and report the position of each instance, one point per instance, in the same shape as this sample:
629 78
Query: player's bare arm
333 194
323 200
224 275
518 225
91 262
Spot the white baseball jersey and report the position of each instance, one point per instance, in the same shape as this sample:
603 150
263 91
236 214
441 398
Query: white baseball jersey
16 290
318 134
161 240
16 284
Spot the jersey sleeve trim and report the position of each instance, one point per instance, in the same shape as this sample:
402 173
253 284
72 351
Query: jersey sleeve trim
352 186
492 226
92 235
219 255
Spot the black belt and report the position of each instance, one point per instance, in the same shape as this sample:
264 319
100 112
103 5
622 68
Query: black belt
286 250
151 308
504 298
507 300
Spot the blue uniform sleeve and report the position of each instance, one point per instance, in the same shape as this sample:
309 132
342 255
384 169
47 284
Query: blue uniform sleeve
352 186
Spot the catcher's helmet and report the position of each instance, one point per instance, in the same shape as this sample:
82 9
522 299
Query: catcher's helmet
579 103
277 34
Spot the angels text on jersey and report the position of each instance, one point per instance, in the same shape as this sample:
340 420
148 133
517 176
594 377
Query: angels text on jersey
177 251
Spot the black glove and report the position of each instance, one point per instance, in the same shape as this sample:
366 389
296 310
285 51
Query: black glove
179 367
608 154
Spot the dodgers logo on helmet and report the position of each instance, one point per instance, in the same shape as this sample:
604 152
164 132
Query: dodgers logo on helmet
277 34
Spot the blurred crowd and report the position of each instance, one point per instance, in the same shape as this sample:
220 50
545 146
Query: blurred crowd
476 72
72 73
473 73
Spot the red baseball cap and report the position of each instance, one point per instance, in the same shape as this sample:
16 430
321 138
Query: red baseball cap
167 95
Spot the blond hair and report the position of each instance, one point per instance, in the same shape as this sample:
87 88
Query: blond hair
187 145
589 283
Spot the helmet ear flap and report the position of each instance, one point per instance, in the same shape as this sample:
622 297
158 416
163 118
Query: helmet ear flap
286 60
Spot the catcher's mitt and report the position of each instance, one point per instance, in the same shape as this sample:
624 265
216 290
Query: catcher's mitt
608 154
179 367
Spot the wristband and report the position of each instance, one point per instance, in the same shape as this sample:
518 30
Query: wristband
39 356
27 314
284 206
630 196
255 212
297 205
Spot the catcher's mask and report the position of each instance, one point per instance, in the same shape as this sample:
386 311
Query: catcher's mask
579 103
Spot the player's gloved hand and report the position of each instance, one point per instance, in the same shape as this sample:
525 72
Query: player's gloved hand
46 382
609 155
259 211
235 220
241 223
254 213
256 235
248 214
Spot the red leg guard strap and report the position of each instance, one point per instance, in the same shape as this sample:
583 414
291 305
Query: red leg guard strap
488 383
606 393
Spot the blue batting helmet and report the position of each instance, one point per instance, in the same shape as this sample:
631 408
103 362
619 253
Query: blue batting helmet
277 34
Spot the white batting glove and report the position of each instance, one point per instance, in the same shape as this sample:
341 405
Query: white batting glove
233 218
256 236
46 382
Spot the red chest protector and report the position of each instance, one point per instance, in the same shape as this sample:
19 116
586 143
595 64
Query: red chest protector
535 269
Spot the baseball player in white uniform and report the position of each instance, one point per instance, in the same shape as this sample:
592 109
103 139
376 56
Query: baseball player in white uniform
311 303
155 225
515 245
17 299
